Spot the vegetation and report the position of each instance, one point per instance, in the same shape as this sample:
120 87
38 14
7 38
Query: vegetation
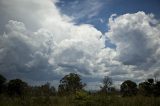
107 82
71 93
16 87
128 88
70 84
2 83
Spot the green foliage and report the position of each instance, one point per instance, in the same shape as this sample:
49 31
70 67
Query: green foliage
45 95
2 79
16 87
157 89
43 90
2 83
70 84
47 90
129 88
145 88
149 88
81 98
151 81
90 100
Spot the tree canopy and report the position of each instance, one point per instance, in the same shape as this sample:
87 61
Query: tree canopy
128 88
149 88
16 87
70 83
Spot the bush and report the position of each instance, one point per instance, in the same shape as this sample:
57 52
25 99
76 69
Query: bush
16 87
81 98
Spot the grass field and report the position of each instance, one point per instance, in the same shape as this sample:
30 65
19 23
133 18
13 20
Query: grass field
80 100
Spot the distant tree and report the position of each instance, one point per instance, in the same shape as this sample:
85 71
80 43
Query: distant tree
128 88
147 88
35 91
107 82
151 81
157 89
53 90
2 83
16 87
47 90
70 83
144 88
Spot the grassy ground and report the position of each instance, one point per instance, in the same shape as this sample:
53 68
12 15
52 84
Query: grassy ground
80 100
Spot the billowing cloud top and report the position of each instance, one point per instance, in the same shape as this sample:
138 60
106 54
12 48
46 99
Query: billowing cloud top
38 43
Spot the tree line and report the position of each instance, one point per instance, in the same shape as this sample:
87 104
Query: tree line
72 83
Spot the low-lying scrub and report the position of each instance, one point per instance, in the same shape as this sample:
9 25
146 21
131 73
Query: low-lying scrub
80 99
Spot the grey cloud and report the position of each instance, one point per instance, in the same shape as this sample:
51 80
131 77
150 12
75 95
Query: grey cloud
20 54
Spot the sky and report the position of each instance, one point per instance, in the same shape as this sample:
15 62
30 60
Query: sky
43 40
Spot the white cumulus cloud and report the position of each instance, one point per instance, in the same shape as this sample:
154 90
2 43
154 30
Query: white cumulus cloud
39 43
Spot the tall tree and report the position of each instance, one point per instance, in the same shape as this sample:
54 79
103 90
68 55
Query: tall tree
107 82
129 88
70 83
